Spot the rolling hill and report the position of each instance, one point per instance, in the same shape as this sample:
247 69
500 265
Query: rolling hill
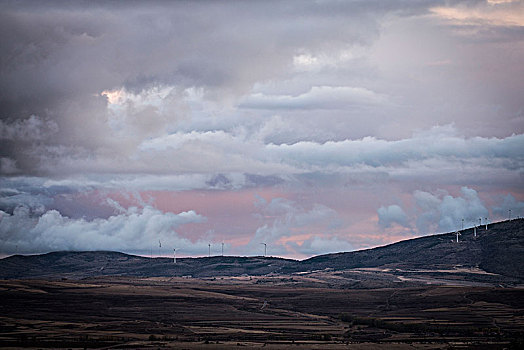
499 251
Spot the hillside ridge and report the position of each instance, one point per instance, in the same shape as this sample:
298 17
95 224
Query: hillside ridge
499 250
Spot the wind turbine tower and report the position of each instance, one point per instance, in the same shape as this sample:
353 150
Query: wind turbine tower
458 234
265 248
209 249
174 256
486 222
475 231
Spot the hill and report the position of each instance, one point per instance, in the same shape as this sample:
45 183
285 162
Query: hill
76 265
496 256
499 250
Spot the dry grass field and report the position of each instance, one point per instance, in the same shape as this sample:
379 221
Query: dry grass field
276 312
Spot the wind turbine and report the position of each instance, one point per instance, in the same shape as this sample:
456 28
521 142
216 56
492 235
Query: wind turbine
159 247
265 248
209 252
174 255
475 231
458 234
486 222
480 222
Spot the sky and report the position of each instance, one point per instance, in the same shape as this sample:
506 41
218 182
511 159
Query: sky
311 126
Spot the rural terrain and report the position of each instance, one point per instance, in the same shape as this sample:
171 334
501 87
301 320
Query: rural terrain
425 293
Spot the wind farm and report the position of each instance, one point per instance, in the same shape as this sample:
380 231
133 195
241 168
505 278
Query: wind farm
314 174
410 294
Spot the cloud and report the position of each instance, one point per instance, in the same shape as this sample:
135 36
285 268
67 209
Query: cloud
31 129
133 230
442 212
35 202
100 85
493 13
68 63
102 100
194 160
97 89
8 166
323 245
22 134
439 143
432 153
318 97
509 203
29 193
390 215
286 222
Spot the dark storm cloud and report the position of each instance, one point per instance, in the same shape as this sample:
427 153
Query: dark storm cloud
57 57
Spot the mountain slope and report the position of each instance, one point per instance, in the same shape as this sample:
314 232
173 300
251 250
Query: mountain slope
499 250
104 263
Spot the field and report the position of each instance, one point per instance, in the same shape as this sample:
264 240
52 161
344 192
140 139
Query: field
272 312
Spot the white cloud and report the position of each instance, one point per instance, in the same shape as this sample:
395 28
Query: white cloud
310 62
132 230
441 212
284 219
392 214
318 97
323 245
437 152
509 203
492 12
439 143
192 160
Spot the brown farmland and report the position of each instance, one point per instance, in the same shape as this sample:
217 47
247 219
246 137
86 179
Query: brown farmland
229 312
